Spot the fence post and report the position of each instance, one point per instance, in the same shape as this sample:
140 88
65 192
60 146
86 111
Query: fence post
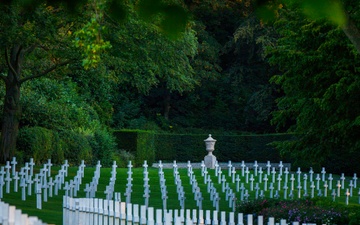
231 218
215 220
106 212
64 210
2 212
271 221
207 219
129 217
223 218
122 213
82 213
117 213
240 219
249 219
188 220
76 211
96 211
260 220
101 211
143 215
159 217
201 217
150 219
12 215
18 217
136 218
111 212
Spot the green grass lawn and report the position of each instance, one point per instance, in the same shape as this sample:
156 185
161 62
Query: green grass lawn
51 211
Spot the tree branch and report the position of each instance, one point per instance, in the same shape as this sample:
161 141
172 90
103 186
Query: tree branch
8 63
45 72
30 49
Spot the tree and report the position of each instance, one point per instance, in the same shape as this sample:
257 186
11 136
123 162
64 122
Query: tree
144 58
33 43
321 89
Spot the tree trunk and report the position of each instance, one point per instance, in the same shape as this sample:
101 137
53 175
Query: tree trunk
167 106
12 108
10 124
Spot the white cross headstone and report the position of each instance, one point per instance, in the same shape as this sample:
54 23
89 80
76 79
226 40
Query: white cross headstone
233 174
237 182
256 168
338 188
38 198
216 168
325 188
31 164
268 165
351 185
273 172
347 196
317 181
323 173
330 178
305 182
260 175
342 178
279 181
247 175
242 168
311 172
23 187
312 186
285 191
229 168
265 182
292 180
281 167
16 181
49 165
355 179
286 172
271 190
13 165
219 175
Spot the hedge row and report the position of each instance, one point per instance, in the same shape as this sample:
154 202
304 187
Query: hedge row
184 147
42 144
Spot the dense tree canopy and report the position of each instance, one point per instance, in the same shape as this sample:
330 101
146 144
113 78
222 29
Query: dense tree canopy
73 70
321 86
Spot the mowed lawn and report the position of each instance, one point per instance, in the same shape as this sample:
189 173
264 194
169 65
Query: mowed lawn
51 211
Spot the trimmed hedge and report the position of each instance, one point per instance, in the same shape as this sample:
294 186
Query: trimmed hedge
40 144
138 142
152 146
227 147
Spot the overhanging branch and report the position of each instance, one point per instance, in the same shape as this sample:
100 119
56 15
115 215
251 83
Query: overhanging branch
45 72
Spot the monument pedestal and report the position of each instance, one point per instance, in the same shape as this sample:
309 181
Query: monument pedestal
210 161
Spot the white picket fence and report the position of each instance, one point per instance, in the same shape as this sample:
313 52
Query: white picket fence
94 211
9 215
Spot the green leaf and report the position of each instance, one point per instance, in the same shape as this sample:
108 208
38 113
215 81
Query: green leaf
148 8
118 10
265 13
325 9
174 22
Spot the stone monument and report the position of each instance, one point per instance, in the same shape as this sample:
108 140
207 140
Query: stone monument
210 159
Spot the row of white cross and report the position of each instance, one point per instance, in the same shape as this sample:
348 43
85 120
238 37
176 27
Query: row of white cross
256 183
